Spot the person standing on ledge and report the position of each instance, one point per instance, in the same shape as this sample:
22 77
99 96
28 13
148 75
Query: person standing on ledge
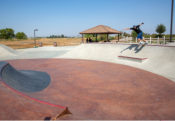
139 32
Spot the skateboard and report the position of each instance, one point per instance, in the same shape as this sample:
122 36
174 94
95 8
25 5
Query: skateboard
143 44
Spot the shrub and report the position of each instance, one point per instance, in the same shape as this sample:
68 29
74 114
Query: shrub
7 33
21 35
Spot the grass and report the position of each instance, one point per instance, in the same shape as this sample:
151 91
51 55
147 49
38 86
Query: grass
29 43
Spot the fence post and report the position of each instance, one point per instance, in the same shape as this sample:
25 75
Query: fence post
158 40
150 40
136 39
164 40
128 39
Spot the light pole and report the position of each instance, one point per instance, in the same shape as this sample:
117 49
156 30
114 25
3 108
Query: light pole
171 26
34 36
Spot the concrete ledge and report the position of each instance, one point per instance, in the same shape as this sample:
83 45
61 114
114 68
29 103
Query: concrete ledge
135 59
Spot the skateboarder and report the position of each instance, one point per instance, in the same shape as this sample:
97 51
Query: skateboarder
139 32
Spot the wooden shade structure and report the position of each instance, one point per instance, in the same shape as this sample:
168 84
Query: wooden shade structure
100 29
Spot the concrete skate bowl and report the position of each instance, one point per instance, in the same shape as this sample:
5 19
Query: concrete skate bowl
92 90
24 83
7 51
153 58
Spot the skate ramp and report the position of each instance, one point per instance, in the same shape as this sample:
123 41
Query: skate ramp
158 59
4 51
23 88
23 80
31 53
104 51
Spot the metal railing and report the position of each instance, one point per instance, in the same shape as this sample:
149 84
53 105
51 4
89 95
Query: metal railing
150 40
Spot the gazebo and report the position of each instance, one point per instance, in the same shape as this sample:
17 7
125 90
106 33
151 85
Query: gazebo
100 29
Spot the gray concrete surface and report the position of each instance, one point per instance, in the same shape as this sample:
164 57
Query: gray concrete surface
23 80
6 51
32 53
160 60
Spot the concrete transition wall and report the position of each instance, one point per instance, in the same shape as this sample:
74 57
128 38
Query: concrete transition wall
156 59
4 51
160 59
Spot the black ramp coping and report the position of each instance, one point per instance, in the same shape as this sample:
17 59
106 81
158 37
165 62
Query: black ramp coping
24 80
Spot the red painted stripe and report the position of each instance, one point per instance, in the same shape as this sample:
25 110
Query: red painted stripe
132 57
39 101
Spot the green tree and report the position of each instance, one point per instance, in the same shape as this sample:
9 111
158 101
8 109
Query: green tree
134 34
154 35
62 36
7 33
102 37
21 35
146 35
126 34
88 35
160 29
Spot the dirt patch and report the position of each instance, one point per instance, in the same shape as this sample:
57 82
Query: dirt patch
29 43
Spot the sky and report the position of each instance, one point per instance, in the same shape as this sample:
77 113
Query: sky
69 17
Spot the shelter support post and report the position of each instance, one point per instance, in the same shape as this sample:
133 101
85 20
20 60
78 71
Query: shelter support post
107 37
118 37
96 38
82 38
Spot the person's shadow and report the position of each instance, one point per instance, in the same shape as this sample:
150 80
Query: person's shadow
137 48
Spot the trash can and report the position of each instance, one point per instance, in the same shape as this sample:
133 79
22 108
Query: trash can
55 44
40 44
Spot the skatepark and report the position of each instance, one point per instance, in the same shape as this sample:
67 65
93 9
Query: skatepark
88 82
87 60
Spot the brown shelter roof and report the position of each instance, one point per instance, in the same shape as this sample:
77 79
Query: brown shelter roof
101 29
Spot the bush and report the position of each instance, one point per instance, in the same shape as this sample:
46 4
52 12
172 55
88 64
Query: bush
21 35
88 35
112 37
7 33
126 34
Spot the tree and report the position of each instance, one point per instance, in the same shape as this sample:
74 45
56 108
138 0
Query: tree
126 34
62 36
134 34
7 33
88 35
21 35
103 37
160 29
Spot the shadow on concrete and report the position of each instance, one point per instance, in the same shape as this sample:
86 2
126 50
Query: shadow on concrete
137 48
47 119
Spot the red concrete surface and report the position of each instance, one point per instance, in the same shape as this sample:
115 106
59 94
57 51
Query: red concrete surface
17 107
93 90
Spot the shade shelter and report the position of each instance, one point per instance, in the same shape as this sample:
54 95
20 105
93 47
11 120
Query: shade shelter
100 29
